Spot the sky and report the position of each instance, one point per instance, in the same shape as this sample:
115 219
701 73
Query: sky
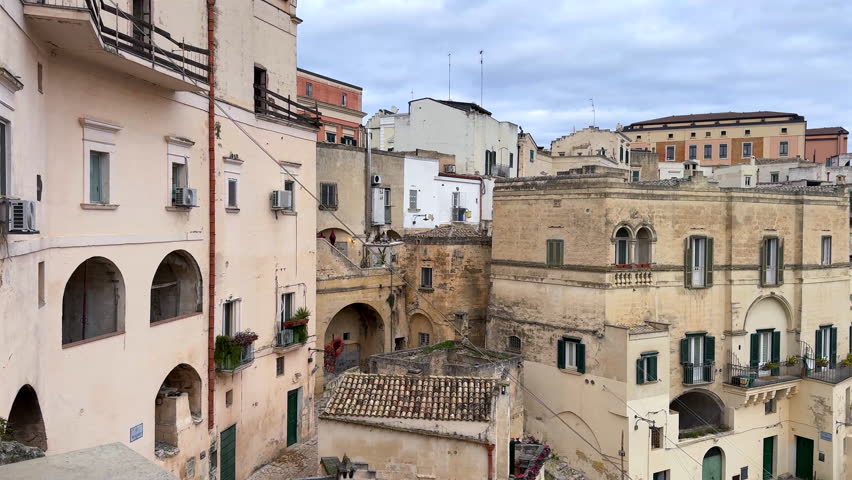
545 60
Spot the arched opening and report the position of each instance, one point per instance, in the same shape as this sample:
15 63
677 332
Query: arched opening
643 246
177 406
622 246
421 332
93 302
362 330
25 420
712 468
700 413
176 288
767 323
341 240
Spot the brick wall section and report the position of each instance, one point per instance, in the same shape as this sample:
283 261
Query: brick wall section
736 153
323 92
680 150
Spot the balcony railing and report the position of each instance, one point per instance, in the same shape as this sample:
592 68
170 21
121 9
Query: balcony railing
269 103
291 333
233 363
632 276
754 377
698 373
830 375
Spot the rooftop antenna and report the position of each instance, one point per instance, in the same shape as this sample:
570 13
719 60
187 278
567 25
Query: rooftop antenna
449 75
412 94
594 115
481 76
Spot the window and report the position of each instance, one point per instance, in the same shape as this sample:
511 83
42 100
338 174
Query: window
635 175
670 153
772 262
706 134
40 78
692 135
698 262
724 133
290 186
747 180
532 155
643 246
656 439
229 398
664 475
784 130
671 135
93 301
347 336
41 298
260 86
287 306
571 354
388 206
826 250
697 355
784 149
309 89
233 192
230 317
773 177
5 157
622 246
343 99
747 149
646 368
347 140
769 407
555 250
330 137
279 366
511 159
638 137
708 152
693 152
765 348
423 339
176 287
514 343
748 132
425 277
723 150
412 200
98 177
328 196
826 344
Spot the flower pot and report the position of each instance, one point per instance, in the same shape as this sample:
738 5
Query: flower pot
296 323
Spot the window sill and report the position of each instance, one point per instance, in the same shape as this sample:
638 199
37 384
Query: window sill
325 207
93 339
232 209
426 289
413 210
570 371
98 206
291 213
649 382
174 319
172 208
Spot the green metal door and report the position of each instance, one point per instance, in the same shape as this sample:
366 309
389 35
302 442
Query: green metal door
292 416
229 453
768 458
711 468
804 458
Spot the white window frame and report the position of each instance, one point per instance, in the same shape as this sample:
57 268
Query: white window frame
750 149
693 152
764 351
290 186
774 177
673 150
233 169
706 148
783 148
309 89
104 164
770 274
232 201
725 155
825 250
747 180
283 310
6 161
99 136
177 153
699 245
431 277
236 304
696 357
571 354
412 200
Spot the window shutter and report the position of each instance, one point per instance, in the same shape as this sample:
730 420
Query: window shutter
581 358
640 372
560 249
708 263
818 343
780 276
832 343
709 350
560 353
687 262
850 339
549 260
684 351
763 251
776 347
652 368
754 353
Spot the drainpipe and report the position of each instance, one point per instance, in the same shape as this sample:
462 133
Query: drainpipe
368 173
211 211
490 448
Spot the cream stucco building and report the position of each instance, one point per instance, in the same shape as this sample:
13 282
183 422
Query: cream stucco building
677 314
108 275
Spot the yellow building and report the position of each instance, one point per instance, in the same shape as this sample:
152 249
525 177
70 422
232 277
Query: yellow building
727 138
676 314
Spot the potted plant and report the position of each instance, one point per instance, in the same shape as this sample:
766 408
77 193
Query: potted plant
821 362
245 338
769 366
227 353
300 318
793 360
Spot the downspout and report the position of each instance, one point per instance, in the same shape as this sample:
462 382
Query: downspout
368 206
211 211
490 448
481 196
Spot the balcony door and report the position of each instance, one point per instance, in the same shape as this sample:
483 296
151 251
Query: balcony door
697 354
696 357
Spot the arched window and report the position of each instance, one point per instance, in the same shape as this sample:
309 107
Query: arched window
622 246
514 344
176 288
25 421
643 246
177 406
93 302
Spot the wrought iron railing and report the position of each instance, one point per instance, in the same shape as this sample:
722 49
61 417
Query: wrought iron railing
229 363
747 377
267 102
698 373
830 375
284 338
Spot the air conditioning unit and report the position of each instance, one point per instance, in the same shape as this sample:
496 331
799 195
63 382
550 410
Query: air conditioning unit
378 206
376 180
186 197
449 169
20 216
281 200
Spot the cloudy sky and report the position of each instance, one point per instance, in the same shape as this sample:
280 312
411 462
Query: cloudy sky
545 59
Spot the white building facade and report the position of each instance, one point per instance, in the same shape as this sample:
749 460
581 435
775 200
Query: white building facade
435 198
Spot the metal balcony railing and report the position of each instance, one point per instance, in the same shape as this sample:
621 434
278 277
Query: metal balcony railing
267 102
284 338
830 375
752 377
698 373
230 364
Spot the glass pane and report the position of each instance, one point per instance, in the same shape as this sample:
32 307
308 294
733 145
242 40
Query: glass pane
232 192
95 185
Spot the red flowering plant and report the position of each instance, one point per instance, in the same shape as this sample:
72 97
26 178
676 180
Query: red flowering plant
245 338
540 451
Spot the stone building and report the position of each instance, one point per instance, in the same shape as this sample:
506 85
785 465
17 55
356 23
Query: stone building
643 165
533 160
339 104
591 146
726 138
707 325
112 274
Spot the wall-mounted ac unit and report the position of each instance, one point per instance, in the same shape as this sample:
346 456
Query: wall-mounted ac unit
378 206
376 180
281 200
186 197
449 168
20 216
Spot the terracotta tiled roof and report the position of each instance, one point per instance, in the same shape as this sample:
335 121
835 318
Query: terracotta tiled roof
414 397
826 131
450 230
707 117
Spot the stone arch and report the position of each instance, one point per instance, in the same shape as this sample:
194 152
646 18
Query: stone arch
761 311
698 408
177 405
93 301
622 238
176 289
713 464
622 225
645 239
419 324
25 419
362 329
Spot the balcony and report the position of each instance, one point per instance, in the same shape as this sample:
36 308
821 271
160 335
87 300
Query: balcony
96 31
270 104
230 357
830 375
631 276
756 386
291 335
698 373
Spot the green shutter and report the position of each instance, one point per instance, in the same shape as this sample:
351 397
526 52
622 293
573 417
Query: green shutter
709 350
708 263
640 372
560 353
776 352
549 259
832 344
763 263
818 343
687 262
581 358
560 249
779 278
850 339
684 351
652 368
754 353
